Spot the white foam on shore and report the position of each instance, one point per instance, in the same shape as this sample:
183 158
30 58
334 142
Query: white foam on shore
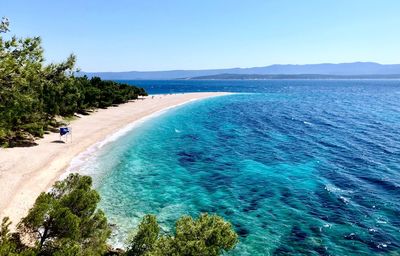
82 157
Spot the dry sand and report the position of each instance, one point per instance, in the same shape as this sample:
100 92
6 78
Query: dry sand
27 171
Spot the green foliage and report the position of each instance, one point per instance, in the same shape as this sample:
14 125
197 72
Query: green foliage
32 93
145 237
65 220
7 247
9 244
208 235
4 24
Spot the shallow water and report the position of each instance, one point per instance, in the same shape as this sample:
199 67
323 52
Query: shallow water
299 167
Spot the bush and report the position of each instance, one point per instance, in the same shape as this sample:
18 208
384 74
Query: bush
66 219
208 235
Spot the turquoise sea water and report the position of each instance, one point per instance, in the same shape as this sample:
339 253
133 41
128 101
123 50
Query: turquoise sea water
299 167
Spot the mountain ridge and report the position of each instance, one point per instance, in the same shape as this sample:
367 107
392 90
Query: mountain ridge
299 76
332 69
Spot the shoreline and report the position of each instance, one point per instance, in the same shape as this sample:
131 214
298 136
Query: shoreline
25 172
79 159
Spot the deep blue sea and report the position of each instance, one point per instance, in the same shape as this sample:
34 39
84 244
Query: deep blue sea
300 167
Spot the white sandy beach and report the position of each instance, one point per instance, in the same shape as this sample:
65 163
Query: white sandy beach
27 171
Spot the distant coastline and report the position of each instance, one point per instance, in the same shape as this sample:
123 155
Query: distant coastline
354 70
302 76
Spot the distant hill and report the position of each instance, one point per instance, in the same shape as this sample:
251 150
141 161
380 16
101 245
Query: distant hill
302 76
342 69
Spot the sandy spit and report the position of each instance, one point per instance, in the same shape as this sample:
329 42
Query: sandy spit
27 171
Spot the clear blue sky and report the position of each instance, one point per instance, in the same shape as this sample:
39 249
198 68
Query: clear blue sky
127 35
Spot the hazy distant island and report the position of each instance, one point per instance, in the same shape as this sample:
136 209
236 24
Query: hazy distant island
300 76
355 70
